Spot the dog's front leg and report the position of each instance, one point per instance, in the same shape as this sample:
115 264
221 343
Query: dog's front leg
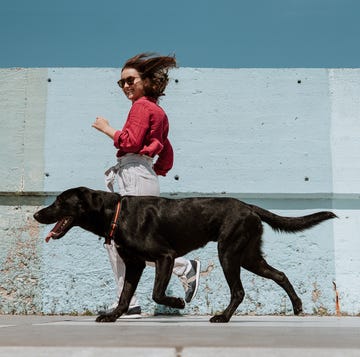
164 267
132 276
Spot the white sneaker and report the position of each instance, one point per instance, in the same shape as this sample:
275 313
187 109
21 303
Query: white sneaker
190 281
132 313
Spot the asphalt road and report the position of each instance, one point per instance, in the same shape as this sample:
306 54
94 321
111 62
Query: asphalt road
183 336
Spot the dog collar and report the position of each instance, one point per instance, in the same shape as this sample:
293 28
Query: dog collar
114 224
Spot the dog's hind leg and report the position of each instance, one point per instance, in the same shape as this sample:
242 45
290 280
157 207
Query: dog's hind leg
230 262
262 268
132 276
163 271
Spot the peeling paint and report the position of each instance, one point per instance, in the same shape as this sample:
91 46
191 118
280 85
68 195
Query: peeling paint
316 293
20 267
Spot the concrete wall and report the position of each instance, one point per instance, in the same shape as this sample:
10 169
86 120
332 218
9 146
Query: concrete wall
285 139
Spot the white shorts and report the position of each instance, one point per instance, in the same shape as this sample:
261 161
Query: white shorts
135 176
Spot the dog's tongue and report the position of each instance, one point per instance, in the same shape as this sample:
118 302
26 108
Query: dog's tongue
57 229
54 231
49 236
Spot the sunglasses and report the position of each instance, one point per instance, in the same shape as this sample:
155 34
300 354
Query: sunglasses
128 80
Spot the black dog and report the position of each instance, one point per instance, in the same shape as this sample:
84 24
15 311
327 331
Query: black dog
158 230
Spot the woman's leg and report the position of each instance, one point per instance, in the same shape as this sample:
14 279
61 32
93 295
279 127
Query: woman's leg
138 178
118 267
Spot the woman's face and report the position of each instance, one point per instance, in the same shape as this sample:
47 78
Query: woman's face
132 84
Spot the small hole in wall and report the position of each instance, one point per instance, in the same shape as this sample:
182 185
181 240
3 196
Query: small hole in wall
306 179
49 79
176 81
176 177
299 81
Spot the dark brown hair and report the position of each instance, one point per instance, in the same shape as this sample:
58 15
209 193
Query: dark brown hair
154 68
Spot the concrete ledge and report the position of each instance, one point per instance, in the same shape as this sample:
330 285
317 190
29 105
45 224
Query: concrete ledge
188 336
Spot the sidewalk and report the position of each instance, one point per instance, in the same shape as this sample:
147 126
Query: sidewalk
184 336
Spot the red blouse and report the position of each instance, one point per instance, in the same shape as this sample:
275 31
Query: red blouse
146 133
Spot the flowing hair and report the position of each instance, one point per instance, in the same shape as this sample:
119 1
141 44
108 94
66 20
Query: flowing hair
154 68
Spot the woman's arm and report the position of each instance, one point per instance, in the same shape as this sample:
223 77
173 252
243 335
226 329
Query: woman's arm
165 160
103 125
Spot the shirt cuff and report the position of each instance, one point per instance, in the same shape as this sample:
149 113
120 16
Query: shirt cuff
117 139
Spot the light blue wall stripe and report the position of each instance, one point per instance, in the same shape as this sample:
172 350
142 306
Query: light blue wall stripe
286 139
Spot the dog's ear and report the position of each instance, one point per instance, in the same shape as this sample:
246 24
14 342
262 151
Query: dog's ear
84 196
89 199
96 200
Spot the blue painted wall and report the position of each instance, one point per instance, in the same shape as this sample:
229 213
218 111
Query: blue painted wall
286 139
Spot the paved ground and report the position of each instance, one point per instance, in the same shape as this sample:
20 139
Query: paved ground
184 336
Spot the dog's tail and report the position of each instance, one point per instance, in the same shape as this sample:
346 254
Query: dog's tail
292 224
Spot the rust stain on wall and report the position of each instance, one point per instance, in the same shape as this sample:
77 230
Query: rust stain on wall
20 270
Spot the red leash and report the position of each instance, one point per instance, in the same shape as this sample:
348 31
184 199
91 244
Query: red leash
114 225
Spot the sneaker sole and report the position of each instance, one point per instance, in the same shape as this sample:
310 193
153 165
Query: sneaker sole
197 280
130 317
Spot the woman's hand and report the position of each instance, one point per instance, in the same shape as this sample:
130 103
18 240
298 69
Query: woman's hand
103 125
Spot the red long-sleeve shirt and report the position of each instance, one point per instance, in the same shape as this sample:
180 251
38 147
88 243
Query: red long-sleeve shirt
146 133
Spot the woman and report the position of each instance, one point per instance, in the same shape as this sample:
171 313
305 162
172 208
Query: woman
144 137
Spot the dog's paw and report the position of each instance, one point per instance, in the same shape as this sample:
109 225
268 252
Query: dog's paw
298 309
180 303
175 303
219 319
106 318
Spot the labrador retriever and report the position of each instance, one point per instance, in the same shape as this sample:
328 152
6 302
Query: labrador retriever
158 230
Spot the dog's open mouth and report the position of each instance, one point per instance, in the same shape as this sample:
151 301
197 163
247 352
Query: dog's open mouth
60 228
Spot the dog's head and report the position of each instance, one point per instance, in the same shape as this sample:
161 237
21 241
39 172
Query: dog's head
68 210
